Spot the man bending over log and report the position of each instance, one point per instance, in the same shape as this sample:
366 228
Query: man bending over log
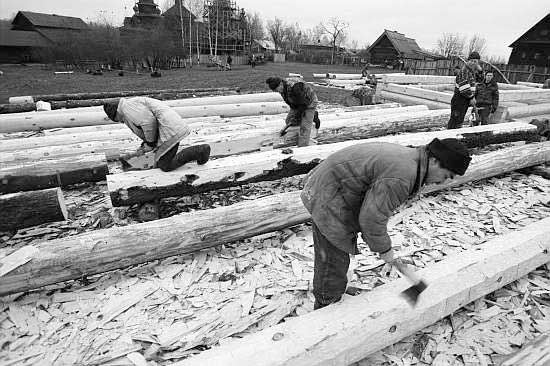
161 130
356 190
302 100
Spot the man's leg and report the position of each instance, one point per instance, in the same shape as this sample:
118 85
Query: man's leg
459 107
483 113
304 139
171 160
330 271
165 160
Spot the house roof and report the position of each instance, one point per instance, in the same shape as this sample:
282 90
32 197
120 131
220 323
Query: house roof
56 35
546 19
51 20
15 38
403 45
267 44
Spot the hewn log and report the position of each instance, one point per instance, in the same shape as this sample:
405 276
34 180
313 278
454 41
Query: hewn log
331 75
143 186
410 100
417 79
533 85
535 353
519 95
24 209
347 332
526 111
46 173
105 250
45 120
122 135
414 91
102 95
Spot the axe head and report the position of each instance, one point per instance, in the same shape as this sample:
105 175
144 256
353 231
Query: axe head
139 162
412 293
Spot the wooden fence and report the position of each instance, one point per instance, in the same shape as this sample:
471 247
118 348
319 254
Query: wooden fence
514 73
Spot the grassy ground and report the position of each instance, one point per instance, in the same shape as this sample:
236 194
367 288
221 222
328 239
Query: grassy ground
35 79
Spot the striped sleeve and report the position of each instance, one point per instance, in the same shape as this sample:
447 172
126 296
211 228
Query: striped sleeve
463 85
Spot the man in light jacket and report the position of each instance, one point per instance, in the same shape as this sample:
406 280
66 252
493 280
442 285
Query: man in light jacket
160 128
356 190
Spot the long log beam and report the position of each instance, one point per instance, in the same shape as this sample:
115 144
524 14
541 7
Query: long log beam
526 111
105 250
410 100
25 209
347 332
102 95
535 353
40 121
235 141
88 103
414 91
122 133
143 186
47 173
417 79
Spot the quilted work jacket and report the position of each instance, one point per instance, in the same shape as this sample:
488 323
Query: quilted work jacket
487 94
465 82
299 94
358 188
153 122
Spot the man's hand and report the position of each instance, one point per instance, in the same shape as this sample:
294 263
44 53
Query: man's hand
283 131
473 102
144 148
388 257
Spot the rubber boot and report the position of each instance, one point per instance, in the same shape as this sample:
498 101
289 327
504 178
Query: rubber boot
198 153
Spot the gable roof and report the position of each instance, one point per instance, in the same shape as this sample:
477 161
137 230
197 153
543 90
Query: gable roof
15 38
51 20
265 43
403 45
546 19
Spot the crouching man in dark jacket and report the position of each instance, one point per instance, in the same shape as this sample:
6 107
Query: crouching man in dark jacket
302 100
356 190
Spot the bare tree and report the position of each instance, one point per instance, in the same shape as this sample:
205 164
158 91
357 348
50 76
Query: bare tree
294 37
477 43
335 28
276 31
353 44
314 35
255 26
450 44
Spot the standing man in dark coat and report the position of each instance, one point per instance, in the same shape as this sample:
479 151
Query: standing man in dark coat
356 190
302 100
486 96
463 96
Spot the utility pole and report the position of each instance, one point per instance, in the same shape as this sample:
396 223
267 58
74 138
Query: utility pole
181 26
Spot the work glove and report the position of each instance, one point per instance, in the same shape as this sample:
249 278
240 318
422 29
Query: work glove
144 148
493 109
473 102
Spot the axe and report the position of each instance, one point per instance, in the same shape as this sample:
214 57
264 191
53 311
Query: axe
419 285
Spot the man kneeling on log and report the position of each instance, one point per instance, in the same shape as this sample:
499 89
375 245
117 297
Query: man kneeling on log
356 190
161 130
302 100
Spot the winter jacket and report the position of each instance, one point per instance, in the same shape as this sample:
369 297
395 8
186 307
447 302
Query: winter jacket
299 95
357 189
154 122
465 82
487 94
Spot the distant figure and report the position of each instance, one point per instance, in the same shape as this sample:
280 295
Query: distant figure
546 84
229 62
463 96
486 96
253 61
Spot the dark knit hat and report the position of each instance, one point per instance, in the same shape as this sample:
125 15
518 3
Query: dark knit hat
110 109
273 82
474 56
451 154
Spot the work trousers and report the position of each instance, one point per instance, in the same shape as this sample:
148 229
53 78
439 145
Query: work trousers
305 120
167 162
329 270
459 107
483 111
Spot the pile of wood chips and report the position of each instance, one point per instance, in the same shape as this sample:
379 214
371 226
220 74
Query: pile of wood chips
163 311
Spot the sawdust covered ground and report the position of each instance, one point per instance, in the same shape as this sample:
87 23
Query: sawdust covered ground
35 79
167 310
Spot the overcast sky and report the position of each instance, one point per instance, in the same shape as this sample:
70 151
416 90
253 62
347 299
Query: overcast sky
499 22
